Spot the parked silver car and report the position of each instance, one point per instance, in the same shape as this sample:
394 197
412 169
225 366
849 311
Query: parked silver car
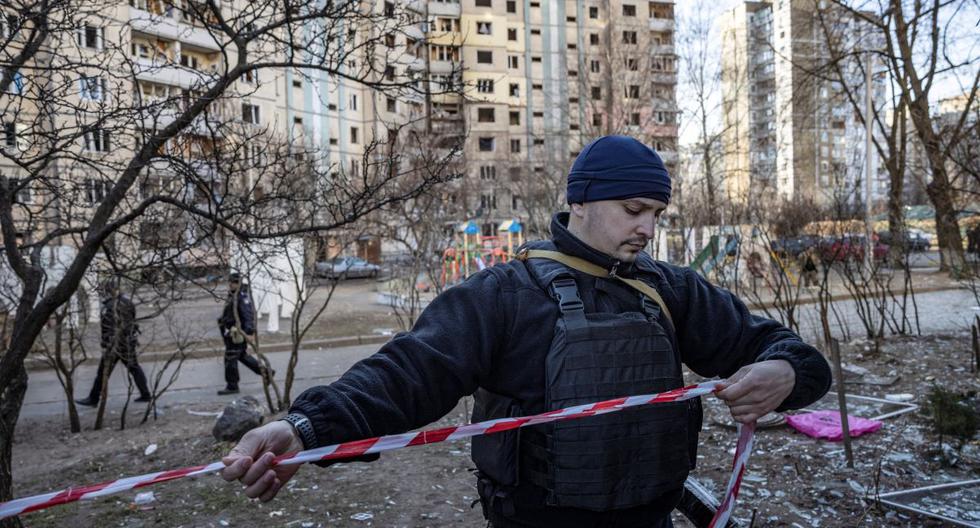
346 268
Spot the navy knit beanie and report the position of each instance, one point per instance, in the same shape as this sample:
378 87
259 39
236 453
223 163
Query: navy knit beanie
616 168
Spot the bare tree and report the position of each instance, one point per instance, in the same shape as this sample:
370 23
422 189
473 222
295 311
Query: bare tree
99 158
844 64
64 351
424 228
702 81
184 342
921 48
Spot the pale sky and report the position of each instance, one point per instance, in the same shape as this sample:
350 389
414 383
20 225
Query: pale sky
684 10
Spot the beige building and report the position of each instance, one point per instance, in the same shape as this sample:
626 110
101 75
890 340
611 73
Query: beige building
787 133
541 79
133 66
523 83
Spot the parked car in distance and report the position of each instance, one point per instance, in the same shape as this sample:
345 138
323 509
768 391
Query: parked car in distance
915 239
791 247
346 268
849 247
923 240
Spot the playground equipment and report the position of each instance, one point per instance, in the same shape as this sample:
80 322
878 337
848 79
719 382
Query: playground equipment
712 257
472 252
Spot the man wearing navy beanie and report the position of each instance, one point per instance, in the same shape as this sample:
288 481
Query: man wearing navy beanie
626 180
583 317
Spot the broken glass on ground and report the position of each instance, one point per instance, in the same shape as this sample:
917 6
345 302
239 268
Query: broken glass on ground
863 406
954 502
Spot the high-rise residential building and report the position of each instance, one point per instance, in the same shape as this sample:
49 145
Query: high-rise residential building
133 66
540 80
525 84
787 132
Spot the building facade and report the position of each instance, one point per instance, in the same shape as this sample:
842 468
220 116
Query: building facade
522 85
540 80
788 132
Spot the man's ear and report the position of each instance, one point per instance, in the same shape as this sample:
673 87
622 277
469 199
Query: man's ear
578 210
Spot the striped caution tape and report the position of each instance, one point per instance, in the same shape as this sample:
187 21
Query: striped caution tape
391 442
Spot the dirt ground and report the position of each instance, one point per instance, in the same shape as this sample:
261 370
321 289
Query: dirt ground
792 480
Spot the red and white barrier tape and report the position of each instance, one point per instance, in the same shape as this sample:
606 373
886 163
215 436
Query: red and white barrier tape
398 441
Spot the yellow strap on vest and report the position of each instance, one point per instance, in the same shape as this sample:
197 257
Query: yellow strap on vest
597 271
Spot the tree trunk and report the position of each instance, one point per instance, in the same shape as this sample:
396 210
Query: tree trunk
947 226
287 399
709 183
103 390
11 399
896 217
66 374
939 190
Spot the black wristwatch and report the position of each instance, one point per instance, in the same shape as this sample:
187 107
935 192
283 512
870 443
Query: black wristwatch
303 427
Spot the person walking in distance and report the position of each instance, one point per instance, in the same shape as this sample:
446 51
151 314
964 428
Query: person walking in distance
119 329
237 325
809 268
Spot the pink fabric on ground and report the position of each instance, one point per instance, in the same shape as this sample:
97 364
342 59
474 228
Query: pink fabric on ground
827 424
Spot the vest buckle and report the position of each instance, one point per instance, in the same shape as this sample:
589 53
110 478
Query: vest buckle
566 293
650 307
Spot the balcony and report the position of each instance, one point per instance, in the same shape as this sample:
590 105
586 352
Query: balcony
412 95
661 24
447 98
662 49
170 29
662 130
417 6
161 117
669 157
444 9
169 74
156 117
663 77
441 66
414 32
412 62
164 170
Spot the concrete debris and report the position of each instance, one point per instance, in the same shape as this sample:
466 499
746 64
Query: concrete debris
192 412
144 498
238 418
857 487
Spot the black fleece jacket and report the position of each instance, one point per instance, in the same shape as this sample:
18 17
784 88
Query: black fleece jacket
494 330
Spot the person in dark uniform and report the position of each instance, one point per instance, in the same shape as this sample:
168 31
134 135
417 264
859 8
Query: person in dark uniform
237 325
809 267
583 317
119 341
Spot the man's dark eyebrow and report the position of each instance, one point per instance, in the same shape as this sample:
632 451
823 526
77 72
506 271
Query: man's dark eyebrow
645 205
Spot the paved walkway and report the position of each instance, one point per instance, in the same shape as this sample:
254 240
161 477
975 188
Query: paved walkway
945 311
198 381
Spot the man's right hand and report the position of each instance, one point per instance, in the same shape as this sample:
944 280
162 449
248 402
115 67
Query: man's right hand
250 461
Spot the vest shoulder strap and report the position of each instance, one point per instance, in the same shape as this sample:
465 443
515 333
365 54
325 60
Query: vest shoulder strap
597 271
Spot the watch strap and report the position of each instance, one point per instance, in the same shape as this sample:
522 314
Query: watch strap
303 427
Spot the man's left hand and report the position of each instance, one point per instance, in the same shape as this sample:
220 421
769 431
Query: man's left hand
757 389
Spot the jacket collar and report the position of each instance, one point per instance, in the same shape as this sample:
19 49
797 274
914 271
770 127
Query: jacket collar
570 244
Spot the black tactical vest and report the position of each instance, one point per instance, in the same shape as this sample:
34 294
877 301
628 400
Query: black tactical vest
619 460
